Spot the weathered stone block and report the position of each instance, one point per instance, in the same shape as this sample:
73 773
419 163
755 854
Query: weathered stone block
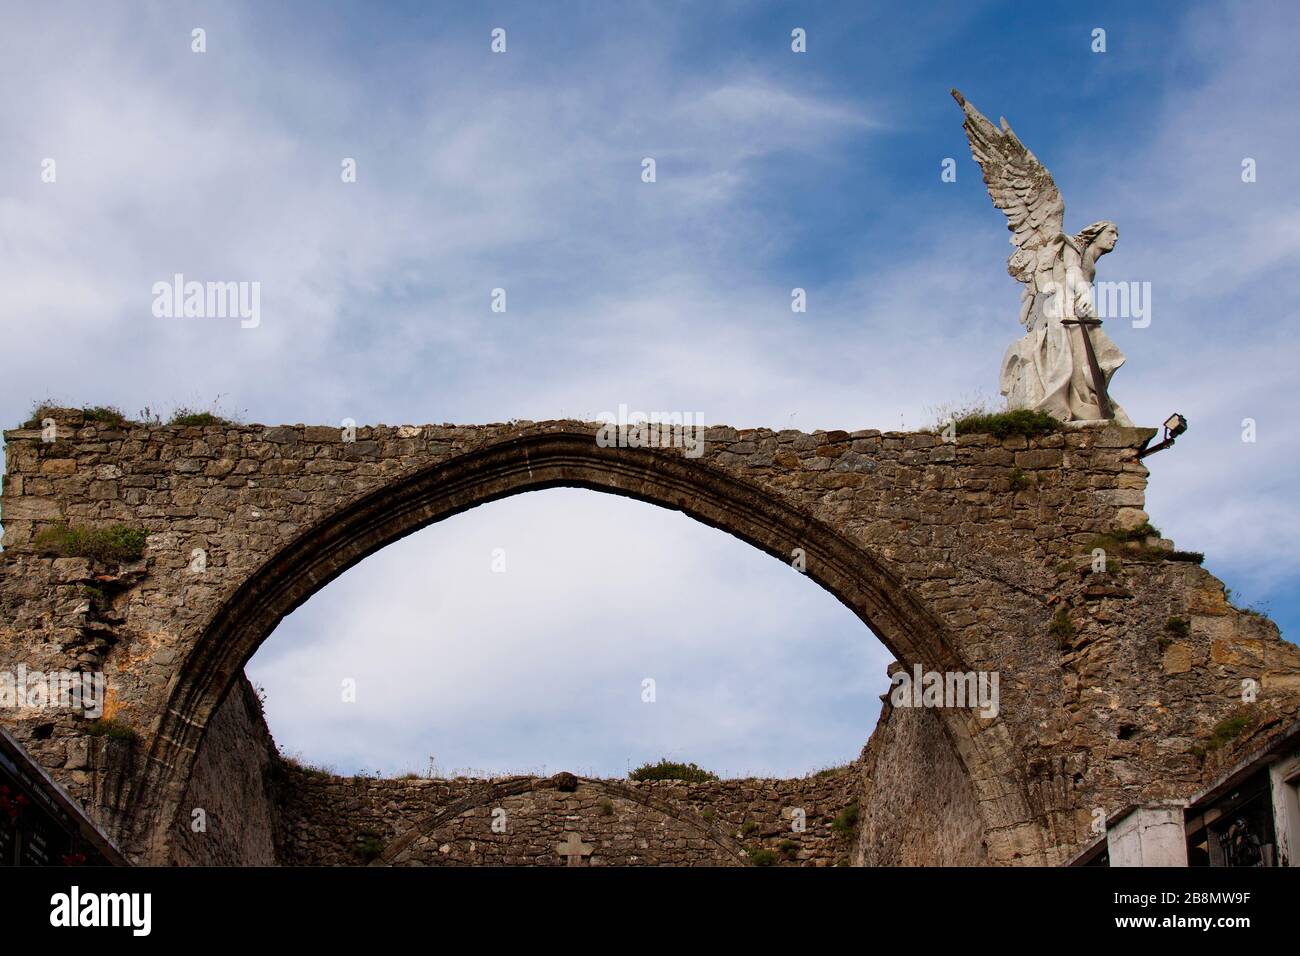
29 508
1129 519
1038 458
281 435
1177 658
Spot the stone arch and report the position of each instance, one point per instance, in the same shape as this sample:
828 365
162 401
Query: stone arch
530 461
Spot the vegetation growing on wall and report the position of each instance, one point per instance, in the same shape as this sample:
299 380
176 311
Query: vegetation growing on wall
666 769
113 544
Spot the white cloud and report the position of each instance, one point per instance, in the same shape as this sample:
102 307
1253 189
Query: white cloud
1219 254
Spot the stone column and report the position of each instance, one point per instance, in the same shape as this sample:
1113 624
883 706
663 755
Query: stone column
1148 836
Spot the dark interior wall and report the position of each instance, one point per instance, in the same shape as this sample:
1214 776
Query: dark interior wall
915 807
918 806
260 811
232 786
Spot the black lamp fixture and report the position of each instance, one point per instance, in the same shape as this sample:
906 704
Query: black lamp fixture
1175 425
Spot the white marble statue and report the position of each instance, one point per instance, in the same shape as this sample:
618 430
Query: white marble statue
1064 362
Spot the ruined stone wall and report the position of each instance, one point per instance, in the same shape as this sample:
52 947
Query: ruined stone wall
973 554
75 631
338 821
258 810
233 787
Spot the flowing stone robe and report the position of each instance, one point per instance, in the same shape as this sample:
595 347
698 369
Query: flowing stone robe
1047 368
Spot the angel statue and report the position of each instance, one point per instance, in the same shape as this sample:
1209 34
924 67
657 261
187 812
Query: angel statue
1064 362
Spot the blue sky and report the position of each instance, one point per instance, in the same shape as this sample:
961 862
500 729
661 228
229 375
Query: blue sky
522 170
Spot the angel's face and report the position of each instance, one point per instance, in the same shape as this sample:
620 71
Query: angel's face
1107 238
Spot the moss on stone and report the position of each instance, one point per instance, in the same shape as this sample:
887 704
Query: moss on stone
1022 421
1061 628
1228 729
761 856
112 729
847 820
188 416
112 544
666 769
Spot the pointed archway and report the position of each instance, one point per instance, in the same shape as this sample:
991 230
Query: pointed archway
760 516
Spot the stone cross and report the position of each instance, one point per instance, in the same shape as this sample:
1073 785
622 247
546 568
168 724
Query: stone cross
573 849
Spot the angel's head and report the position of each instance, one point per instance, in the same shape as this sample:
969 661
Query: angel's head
1102 234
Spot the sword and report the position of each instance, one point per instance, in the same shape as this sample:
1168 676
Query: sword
1098 380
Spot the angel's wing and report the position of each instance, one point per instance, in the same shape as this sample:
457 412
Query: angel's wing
1018 183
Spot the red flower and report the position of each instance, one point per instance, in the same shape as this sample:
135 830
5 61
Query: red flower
11 805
